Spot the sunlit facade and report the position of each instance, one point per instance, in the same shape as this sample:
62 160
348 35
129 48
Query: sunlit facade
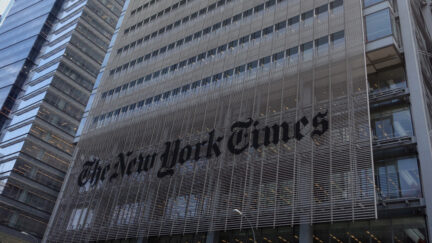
51 53
312 118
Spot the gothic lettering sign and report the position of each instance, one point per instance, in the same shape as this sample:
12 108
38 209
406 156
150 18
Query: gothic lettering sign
244 134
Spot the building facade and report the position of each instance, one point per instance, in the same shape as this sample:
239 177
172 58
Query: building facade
51 52
261 120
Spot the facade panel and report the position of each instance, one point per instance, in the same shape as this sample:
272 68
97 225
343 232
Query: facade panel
210 106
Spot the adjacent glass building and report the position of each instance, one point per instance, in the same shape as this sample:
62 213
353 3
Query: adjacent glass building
311 118
51 52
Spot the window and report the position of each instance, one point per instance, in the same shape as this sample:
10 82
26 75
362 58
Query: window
176 91
306 50
221 48
192 60
292 53
236 17
206 30
179 43
173 67
228 73
270 3
185 19
197 35
264 61
259 8
321 11
392 123
166 95
132 107
185 88
165 71
307 17
252 65
182 64
338 39
205 81
240 69
336 4
394 78
188 39
217 77
216 26
156 74
201 56
140 104
149 101
378 25
247 13
196 84
220 3
278 56
226 22
232 44
256 35
398 178
211 53
157 98
244 40
322 45
268 30
279 26
203 11
211 7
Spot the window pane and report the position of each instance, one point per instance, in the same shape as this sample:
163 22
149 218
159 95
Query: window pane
378 25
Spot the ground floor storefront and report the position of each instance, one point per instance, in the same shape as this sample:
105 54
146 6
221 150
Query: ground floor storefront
394 230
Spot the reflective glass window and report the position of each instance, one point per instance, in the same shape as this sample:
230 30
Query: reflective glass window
398 178
378 25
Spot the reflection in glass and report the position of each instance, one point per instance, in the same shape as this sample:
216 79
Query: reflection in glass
378 25
392 123
386 80
398 178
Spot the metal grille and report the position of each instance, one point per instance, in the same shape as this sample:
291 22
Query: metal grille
314 179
